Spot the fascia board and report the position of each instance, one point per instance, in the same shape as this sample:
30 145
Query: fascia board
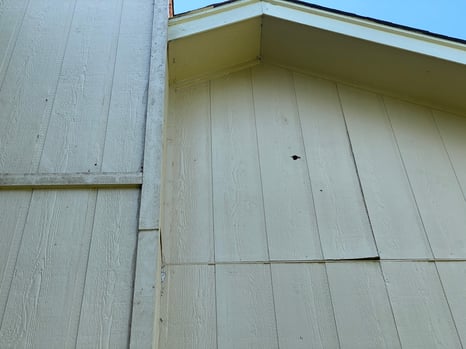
210 19
374 32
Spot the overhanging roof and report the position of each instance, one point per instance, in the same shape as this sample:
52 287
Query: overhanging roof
408 64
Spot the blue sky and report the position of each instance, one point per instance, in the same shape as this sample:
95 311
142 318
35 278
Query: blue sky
447 17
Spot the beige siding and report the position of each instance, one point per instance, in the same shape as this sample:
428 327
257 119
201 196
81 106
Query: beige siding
73 97
264 249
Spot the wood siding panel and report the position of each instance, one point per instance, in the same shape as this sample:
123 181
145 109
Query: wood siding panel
453 277
436 189
107 300
421 311
245 307
14 207
81 105
362 308
237 191
28 88
11 18
453 132
188 318
46 291
395 219
343 223
124 140
303 306
289 208
188 228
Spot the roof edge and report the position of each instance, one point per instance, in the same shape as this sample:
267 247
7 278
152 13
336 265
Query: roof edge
385 33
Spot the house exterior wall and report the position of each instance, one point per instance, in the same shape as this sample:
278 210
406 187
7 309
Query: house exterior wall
299 212
73 97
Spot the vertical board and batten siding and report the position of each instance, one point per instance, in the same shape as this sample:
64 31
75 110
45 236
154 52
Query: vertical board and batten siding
280 245
73 97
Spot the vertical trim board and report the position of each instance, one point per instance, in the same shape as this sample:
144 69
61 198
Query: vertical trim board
146 301
149 213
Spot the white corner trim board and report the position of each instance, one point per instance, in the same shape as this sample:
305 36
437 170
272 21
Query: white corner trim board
211 18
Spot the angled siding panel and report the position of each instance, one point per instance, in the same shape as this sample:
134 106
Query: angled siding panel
80 107
237 191
453 277
11 18
27 91
124 140
395 219
45 296
289 208
108 288
421 310
436 189
14 208
362 308
344 226
453 132
303 306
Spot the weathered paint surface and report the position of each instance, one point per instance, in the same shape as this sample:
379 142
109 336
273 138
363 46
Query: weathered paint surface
73 98
279 187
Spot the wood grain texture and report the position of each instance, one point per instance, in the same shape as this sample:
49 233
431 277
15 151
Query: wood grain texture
69 180
362 308
146 298
107 300
124 140
395 219
436 189
187 234
237 191
245 307
421 311
12 14
453 130
289 208
188 318
14 207
81 105
303 306
157 104
344 226
28 87
453 278
44 301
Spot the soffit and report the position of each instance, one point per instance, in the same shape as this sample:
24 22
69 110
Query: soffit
218 40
